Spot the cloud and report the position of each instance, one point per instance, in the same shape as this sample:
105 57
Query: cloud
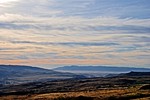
73 20
74 24
75 32
68 43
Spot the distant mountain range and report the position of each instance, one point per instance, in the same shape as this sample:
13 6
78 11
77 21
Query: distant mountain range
17 74
99 71
102 69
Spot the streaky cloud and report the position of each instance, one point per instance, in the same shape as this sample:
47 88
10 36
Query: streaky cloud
67 43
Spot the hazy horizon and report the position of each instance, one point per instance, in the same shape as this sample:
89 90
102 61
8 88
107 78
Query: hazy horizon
56 33
53 67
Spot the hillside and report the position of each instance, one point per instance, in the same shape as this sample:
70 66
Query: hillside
17 74
130 74
134 74
120 88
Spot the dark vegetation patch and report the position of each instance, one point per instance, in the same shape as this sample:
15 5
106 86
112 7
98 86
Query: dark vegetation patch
145 87
76 98
128 97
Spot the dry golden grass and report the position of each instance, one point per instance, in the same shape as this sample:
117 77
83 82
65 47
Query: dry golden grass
104 94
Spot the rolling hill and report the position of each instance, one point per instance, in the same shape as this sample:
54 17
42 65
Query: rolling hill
125 81
17 74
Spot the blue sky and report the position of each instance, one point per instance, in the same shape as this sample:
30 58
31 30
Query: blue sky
51 33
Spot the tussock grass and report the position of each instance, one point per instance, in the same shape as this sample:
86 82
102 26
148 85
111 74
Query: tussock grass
132 93
75 98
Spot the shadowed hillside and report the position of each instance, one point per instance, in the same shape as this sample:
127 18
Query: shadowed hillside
17 74
114 88
90 84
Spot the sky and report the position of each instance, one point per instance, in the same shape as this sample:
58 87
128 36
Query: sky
53 33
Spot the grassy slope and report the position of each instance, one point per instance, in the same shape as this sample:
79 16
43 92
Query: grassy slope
105 94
